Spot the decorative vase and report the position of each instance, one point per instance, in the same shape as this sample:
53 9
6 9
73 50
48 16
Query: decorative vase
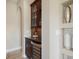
67 14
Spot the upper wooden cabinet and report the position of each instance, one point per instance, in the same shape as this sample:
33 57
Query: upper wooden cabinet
36 20
36 13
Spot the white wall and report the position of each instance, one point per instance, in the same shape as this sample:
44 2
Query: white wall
13 38
45 29
26 23
55 22
31 1
27 18
55 19
14 23
51 21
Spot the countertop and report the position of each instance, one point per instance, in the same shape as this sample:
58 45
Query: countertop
33 40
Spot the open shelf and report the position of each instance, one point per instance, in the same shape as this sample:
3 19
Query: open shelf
67 25
67 52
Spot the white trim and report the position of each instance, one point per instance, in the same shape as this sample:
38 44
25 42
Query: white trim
24 56
11 50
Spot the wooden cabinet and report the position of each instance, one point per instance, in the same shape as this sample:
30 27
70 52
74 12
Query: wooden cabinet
28 48
33 50
36 50
36 20
36 14
36 29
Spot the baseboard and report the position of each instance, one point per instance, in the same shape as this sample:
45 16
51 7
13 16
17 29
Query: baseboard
12 50
15 51
24 56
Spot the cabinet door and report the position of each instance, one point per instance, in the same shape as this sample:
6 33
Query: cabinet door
33 15
38 3
36 13
36 18
28 48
